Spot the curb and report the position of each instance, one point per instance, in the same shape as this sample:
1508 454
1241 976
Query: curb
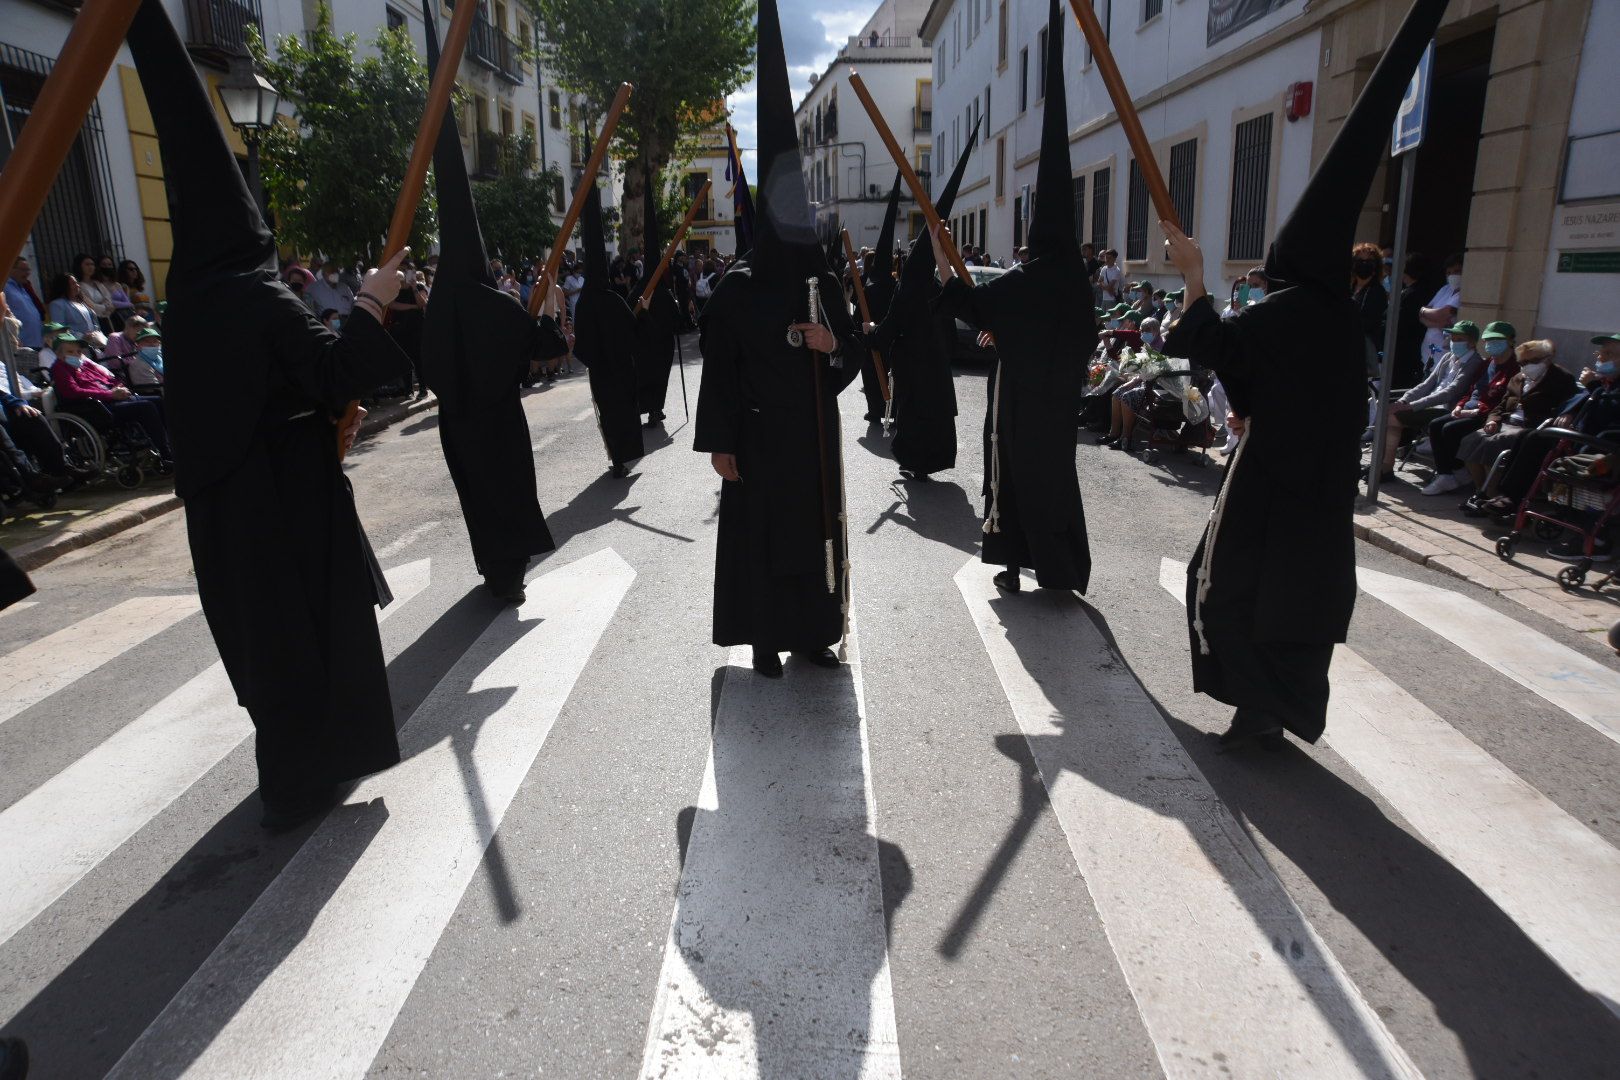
140 511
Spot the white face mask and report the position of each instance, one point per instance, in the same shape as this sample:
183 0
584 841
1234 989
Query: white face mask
1533 372
331 279
1454 280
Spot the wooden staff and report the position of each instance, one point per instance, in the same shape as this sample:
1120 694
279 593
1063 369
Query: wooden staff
64 101
866 317
543 285
427 136
674 246
1126 110
908 174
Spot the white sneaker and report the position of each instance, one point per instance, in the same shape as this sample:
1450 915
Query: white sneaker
1442 485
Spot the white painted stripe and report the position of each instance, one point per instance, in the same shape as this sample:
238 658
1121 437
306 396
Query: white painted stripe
1217 956
1550 873
21 605
1580 686
310 980
776 964
63 829
410 537
41 668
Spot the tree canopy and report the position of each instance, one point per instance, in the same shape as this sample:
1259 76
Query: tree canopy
683 56
513 206
333 178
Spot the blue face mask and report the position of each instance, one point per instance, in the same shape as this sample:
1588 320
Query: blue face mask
1607 368
1113 324
336 325
154 357
1460 347
1386 283
1494 348
72 361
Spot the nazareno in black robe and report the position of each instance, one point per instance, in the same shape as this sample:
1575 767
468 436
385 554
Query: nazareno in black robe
758 401
14 583
284 572
1033 513
1273 583
605 341
655 350
477 342
878 278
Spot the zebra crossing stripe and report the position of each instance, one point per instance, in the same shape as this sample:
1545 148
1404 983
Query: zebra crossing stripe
1580 686
1550 873
21 605
776 963
311 979
59 832
1168 868
39 669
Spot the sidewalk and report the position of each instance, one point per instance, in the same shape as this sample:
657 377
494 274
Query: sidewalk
1433 531
35 537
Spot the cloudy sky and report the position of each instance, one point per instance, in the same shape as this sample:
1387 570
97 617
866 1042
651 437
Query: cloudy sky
811 33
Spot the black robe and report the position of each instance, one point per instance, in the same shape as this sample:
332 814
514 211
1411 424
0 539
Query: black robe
605 341
285 574
758 401
1282 582
879 296
915 341
14 583
655 350
1034 516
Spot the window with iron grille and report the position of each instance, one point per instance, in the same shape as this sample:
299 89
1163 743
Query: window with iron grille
1100 181
1136 214
1183 181
1040 64
1023 80
1018 222
1251 170
80 213
396 20
1080 209
1151 9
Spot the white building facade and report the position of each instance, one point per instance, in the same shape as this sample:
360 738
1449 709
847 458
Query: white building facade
848 170
109 196
1241 97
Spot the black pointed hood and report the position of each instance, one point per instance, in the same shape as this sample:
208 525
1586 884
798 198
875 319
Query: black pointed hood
882 268
652 239
835 252
919 268
785 244
1312 246
218 230
1051 229
461 241
594 239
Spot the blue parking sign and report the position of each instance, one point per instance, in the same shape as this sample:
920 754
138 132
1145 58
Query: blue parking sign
1414 112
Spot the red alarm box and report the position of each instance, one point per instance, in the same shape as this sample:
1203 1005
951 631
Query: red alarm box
1299 100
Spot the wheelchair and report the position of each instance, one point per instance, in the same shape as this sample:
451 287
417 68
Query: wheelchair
91 436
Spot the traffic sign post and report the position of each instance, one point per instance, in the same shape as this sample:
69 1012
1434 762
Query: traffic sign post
1410 123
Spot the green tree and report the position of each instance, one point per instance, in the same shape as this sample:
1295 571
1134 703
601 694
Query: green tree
513 206
683 56
333 178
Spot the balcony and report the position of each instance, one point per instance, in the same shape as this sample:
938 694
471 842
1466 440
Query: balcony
217 30
495 49
922 119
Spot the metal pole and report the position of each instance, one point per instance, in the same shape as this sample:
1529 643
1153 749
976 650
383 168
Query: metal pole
1403 213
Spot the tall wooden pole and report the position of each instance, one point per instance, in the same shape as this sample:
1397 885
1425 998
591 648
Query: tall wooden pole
581 190
1125 109
674 246
57 117
909 175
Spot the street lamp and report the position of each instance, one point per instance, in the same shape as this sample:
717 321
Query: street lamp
250 103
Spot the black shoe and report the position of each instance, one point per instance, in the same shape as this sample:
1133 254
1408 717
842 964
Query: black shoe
767 663
1575 550
915 476
1107 440
1119 445
505 583
283 814
1009 581
821 658
619 472
1251 728
13 1058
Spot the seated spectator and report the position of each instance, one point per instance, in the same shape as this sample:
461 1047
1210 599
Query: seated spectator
67 306
78 379
122 344
134 283
1533 397
25 303
1120 331
92 291
1246 290
1151 338
332 319
1417 408
1141 297
1593 410
144 370
329 291
27 432
1446 433
106 280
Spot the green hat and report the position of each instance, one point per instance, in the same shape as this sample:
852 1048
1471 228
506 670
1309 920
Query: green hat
1604 339
1465 327
1143 284
1120 309
67 336
148 332
52 327
1132 314
1499 331
1177 295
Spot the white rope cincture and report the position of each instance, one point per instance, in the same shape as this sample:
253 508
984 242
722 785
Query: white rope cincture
1207 564
888 407
992 524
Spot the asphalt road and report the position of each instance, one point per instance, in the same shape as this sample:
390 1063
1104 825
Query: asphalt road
996 844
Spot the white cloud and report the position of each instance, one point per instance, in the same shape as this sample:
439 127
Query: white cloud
811 36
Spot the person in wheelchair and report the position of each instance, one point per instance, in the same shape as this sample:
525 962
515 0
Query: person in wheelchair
86 389
1445 385
1533 395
